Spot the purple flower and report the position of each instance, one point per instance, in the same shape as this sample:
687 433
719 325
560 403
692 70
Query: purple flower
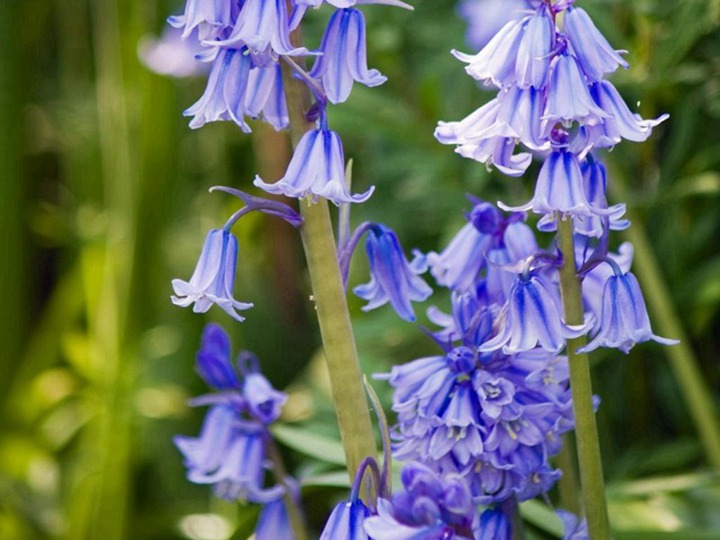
274 522
262 24
317 169
532 318
592 50
574 528
346 522
495 63
458 265
343 59
568 98
393 278
230 455
430 507
624 319
213 359
494 525
559 188
213 278
620 123
265 96
533 60
216 14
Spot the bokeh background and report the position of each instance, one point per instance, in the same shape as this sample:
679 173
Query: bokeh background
103 200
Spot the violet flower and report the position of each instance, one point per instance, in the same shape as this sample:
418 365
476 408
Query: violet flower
213 278
343 60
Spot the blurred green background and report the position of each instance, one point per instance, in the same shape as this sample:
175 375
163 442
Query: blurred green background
103 200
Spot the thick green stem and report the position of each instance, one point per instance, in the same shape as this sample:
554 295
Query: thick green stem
568 486
586 435
351 405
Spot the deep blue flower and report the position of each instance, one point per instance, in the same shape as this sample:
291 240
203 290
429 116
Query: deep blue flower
343 60
592 50
317 169
494 525
213 278
262 24
213 359
430 507
392 278
624 320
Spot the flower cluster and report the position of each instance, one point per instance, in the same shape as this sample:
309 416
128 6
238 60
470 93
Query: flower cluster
231 452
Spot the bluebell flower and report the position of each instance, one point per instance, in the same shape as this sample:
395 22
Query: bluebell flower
213 278
498 152
458 265
265 96
495 63
532 318
624 320
494 525
620 123
559 188
230 452
230 455
568 97
534 53
317 169
216 14
224 96
274 522
171 55
430 507
346 522
592 50
593 283
344 59
262 24
392 278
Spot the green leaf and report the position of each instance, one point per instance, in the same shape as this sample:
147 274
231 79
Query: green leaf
310 444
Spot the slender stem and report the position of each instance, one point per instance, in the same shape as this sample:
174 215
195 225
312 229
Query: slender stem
588 443
568 484
351 405
281 476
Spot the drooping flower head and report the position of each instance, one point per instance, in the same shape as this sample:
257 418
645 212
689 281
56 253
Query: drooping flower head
214 277
392 278
230 452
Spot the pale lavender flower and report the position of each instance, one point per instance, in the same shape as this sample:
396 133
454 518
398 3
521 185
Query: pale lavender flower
568 97
532 318
624 320
201 14
213 279
393 278
573 527
262 24
224 96
265 96
592 50
343 60
317 169
534 53
619 123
